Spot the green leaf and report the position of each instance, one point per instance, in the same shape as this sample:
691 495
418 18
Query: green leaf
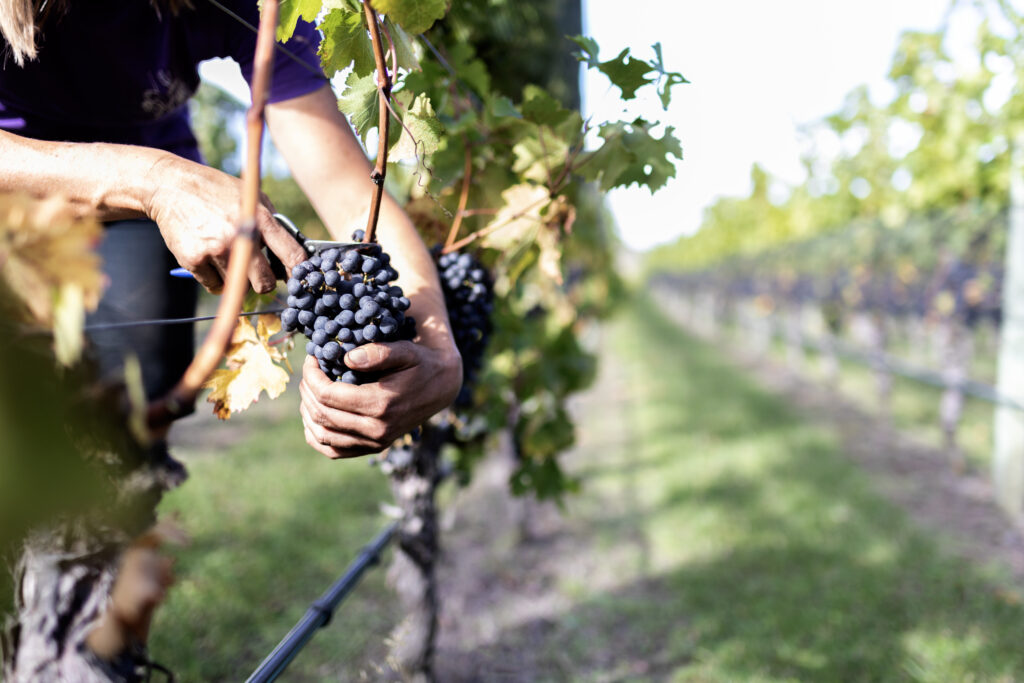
471 71
289 12
359 101
415 16
666 79
630 154
346 42
501 107
405 52
541 108
588 51
421 131
627 73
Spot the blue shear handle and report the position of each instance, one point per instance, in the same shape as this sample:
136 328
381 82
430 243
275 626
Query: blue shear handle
182 273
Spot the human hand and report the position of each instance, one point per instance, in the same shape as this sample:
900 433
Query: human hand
345 420
196 208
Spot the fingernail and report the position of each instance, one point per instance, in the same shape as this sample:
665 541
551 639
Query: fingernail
357 356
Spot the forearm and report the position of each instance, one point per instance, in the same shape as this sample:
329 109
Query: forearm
107 180
339 186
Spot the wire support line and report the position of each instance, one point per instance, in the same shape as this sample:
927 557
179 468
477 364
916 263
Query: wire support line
95 327
277 46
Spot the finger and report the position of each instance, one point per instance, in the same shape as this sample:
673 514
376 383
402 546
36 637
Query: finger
332 453
339 420
379 357
260 275
279 241
209 277
331 437
344 420
362 400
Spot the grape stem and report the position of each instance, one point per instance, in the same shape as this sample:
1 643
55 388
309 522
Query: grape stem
383 122
463 200
163 411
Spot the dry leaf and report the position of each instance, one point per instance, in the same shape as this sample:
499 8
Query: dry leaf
47 259
252 367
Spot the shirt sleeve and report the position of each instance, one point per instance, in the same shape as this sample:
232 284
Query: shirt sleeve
296 64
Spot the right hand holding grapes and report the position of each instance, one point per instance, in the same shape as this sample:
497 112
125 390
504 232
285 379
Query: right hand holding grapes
196 209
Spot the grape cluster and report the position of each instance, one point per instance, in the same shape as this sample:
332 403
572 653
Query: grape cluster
341 299
469 297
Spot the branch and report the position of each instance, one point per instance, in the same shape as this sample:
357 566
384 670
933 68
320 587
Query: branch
179 401
493 227
383 122
463 199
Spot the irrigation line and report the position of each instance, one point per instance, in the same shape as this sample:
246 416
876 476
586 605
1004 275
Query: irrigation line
320 612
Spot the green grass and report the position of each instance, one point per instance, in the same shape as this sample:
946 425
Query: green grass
913 405
749 549
273 524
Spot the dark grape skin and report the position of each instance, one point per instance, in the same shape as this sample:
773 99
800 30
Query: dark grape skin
344 299
468 291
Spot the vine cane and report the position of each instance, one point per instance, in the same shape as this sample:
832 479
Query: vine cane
163 411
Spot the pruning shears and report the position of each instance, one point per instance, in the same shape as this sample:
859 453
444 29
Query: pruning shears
312 248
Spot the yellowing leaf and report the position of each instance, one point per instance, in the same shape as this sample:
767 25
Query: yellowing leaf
519 219
47 259
251 369
421 131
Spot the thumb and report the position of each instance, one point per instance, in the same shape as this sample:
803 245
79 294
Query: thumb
375 357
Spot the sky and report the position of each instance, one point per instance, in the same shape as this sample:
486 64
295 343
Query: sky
758 70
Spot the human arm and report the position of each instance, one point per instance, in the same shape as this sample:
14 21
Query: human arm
342 420
195 206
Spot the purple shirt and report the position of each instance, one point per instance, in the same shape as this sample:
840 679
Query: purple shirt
114 71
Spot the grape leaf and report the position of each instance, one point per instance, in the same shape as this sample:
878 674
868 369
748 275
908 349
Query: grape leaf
360 102
541 108
421 131
588 51
405 49
539 157
471 71
630 154
346 43
627 73
666 79
519 219
47 259
415 16
289 13
251 368
550 260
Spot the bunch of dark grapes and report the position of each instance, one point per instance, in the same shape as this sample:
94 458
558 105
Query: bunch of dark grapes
469 297
341 299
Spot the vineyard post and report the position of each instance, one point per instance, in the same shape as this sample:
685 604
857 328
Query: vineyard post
1008 452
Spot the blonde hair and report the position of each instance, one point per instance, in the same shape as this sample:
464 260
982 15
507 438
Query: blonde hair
20 20
18 28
